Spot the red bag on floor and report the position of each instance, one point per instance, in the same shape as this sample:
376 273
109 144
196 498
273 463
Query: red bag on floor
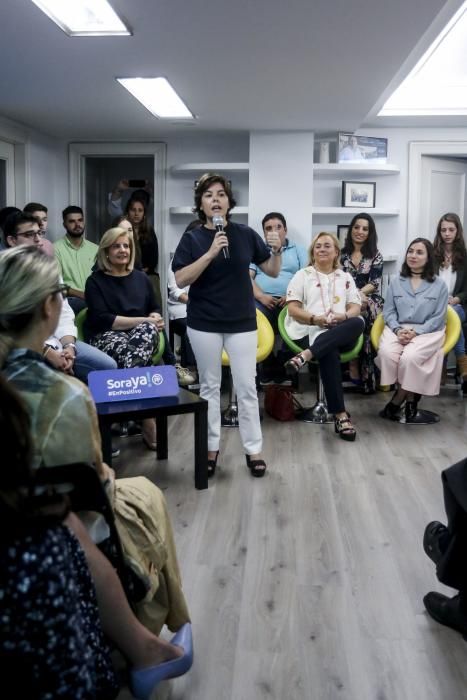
280 402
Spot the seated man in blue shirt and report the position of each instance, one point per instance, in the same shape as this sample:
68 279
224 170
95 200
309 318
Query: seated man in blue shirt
270 292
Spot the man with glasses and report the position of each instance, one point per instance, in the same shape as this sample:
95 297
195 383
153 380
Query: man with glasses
40 213
62 350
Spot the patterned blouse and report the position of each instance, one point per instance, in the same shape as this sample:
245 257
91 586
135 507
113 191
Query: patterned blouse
368 271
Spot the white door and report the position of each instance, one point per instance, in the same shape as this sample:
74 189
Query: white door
7 175
443 189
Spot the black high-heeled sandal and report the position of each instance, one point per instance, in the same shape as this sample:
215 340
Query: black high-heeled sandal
294 365
344 428
257 467
212 464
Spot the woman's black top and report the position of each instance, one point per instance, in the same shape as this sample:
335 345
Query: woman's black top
108 296
221 299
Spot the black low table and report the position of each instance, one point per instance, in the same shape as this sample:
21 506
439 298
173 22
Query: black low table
185 402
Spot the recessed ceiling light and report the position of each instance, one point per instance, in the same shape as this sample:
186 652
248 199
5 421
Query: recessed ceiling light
158 96
84 17
438 83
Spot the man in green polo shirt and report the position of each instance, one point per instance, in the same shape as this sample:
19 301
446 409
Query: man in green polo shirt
76 256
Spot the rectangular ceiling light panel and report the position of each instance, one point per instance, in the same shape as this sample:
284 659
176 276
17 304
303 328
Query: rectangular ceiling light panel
158 96
84 17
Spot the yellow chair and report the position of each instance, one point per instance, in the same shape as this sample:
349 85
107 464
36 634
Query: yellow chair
264 347
453 331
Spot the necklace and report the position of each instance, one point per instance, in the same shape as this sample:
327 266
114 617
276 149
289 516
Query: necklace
334 297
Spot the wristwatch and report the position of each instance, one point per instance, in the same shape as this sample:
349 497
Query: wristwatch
69 345
277 252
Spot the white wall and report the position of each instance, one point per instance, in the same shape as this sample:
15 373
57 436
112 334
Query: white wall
42 170
281 179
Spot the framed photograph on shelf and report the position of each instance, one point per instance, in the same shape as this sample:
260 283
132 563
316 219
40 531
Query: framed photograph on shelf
360 149
359 195
342 234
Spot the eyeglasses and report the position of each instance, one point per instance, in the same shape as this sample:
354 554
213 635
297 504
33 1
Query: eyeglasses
30 234
63 289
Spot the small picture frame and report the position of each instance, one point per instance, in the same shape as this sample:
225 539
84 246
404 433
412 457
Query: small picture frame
357 149
342 234
359 195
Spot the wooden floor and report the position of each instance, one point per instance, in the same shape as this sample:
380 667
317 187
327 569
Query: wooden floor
308 584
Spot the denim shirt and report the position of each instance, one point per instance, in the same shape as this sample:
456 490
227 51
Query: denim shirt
423 310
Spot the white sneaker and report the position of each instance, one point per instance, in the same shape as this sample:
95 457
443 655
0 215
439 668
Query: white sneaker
184 376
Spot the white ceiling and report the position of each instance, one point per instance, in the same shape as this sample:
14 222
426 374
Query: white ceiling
239 65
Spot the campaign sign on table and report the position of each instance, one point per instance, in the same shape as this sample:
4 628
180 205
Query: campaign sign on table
135 383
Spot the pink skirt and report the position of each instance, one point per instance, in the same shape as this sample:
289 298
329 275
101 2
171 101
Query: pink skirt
417 366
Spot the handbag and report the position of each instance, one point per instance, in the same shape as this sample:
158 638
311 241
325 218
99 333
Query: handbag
280 402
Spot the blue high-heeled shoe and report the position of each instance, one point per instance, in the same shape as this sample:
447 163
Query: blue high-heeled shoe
144 681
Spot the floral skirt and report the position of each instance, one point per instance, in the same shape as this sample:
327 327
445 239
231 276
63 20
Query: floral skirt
132 348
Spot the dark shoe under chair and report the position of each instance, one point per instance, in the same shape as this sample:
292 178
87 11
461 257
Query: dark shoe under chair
446 611
391 411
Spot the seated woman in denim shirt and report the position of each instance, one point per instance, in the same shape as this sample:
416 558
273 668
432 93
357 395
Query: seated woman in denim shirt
411 347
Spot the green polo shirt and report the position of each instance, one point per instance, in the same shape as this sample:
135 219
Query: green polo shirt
76 263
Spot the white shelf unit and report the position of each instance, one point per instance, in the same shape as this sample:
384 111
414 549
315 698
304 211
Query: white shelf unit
350 211
201 168
323 172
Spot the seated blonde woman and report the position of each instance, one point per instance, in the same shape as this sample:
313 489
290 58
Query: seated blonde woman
323 307
123 318
410 352
65 430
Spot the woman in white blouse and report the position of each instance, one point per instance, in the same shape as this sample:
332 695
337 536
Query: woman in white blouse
323 307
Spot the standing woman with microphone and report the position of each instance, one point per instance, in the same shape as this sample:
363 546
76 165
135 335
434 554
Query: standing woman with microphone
214 260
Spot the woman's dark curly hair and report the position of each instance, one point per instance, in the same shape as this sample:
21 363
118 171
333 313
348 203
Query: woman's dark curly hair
370 247
428 273
459 252
204 183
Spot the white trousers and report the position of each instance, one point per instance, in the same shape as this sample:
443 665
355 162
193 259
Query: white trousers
241 348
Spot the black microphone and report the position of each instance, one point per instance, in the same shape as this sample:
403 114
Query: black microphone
218 222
